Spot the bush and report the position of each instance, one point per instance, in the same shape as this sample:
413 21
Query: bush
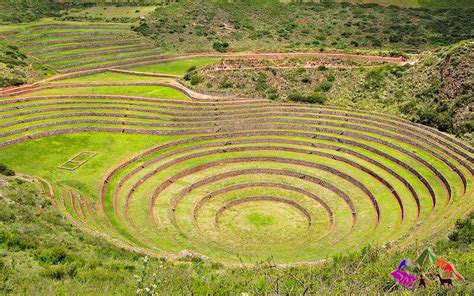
190 73
313 98
196 78
463 234
220 46
226 84
324 86
322 68
4 170
53 256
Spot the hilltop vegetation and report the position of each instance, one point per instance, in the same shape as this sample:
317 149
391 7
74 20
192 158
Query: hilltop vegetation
13 11
41 253
271 25
419 3
436 91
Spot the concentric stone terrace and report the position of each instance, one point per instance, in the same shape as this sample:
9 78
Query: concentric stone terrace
249 179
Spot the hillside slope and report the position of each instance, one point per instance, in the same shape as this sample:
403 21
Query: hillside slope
13 11
439 89
16 68
273 25
436 91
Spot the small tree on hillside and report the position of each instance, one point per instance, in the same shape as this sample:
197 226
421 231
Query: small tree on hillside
220 46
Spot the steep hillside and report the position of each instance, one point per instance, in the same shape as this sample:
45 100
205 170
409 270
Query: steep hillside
16 68
273 25
439 92
436 90
420 3
13 11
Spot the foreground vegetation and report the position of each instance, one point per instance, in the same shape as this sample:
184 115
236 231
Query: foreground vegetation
41 253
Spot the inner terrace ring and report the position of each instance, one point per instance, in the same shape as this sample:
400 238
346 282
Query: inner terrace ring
235 203
263 222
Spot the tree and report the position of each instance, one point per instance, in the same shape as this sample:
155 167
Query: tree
220 46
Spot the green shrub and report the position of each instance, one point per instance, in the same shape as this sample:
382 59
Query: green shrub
4 170
188 75
54 255
9 172
261 82
463 233
196 79
272 93
6 214
324 86
226 84
322 68
220 46
313 98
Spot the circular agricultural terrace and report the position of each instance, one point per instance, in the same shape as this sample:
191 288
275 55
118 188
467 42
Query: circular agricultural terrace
252 178
238 178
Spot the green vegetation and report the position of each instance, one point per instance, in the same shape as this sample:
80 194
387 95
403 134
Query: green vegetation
174 67
313 98
419 3
6 171
13 11
220 46
75 46
111 77
233 170
260 220
146 91
126 14
186 26
42 253
16 68
435 91
161 138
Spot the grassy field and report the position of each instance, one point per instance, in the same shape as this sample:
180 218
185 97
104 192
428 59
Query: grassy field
111 77
176 68
145 91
